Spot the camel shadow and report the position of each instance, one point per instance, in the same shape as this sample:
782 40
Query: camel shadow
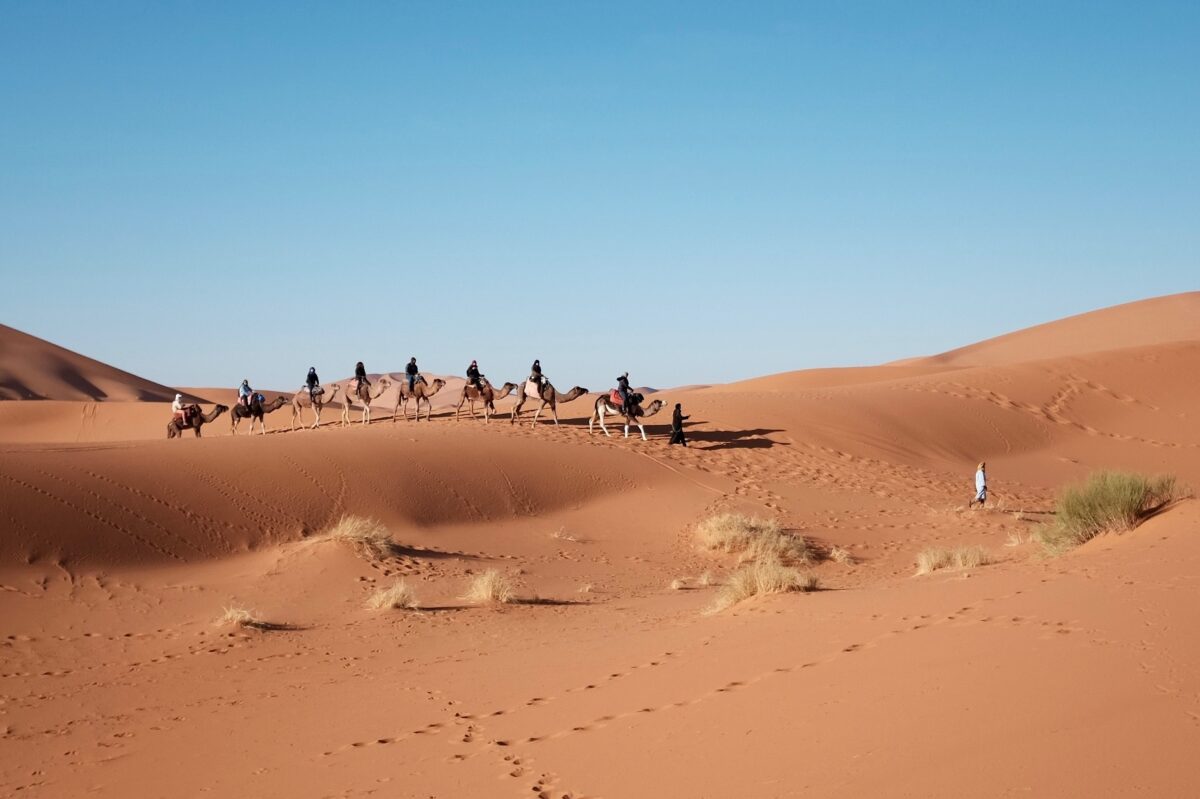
734 439
408 551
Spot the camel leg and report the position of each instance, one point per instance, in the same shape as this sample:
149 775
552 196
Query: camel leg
627 429
600 410
639 424
554 410
316 417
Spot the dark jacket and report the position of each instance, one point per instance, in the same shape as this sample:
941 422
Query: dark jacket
360 372
623 383
536 369
312 379
411 369
472 372
677 419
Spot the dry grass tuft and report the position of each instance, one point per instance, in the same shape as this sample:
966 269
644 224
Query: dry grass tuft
491 587
368 536
761 579
751 538
398 595
679 583
586 588
240 617
562 535
706 579
840 555
1015 539
937 558
1108 502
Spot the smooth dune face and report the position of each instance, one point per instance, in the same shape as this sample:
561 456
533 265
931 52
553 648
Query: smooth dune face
1071 676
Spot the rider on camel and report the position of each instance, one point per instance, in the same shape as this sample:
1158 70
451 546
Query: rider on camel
623 391
313 382
411 371
245 393
473 375
360 377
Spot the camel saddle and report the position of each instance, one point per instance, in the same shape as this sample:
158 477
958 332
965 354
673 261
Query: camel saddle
615 398
532 391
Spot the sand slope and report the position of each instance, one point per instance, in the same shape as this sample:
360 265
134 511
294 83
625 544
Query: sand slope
31 368
1069 676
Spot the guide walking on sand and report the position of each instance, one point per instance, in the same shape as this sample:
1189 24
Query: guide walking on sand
677 419
980 486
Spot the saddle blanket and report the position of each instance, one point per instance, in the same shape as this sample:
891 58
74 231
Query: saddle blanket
615 397
531 390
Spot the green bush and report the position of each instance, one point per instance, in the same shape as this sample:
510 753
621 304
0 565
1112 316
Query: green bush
1108 502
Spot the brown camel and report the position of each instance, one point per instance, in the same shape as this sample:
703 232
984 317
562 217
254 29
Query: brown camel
485 394
605 405
403 395
255 412
421 391
195 420
303 400
364 395
547 395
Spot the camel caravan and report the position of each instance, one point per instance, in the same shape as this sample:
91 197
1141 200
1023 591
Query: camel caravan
414 389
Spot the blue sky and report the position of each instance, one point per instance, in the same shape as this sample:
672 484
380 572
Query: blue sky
691 192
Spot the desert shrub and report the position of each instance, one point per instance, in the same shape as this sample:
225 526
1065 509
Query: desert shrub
367 536
398 595
935 558
752 538
490 587
761 579
240 617
1107 502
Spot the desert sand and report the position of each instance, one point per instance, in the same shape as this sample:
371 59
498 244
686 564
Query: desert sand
1074 675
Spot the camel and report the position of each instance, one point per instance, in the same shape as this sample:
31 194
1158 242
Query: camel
196 420
421 391
364 395
303 400
605 404
485 394
254 412
548 395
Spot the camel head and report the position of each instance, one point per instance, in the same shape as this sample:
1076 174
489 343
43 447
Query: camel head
654 408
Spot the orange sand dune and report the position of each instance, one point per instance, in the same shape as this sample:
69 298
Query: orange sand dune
1155 321
1073 675
31 368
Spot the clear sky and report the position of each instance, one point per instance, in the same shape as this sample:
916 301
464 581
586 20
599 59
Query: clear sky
203 191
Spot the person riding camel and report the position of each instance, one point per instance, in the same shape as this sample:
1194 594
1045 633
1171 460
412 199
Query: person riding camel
623 391
245 394
178 411
535 374
473 375
313 382
360 377
411 371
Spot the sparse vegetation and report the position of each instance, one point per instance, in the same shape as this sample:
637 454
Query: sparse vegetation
240 617
562 535
761 579
491 587
586 588
706 579
368 537
937 558
398 595
679 583
1108 502
840 555
752 538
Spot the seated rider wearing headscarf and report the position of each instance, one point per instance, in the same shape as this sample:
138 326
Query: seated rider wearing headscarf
177 411
360 377
623 391
473 374
245 393
312 381
535 373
